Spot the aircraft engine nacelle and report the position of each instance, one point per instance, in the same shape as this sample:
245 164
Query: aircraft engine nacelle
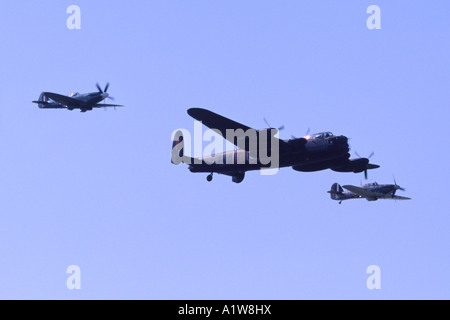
297 144
296 149
359 165
312 167
354 165
238 178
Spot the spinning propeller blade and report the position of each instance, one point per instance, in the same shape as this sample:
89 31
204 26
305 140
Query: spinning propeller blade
98 87
396 186
370 156
279 128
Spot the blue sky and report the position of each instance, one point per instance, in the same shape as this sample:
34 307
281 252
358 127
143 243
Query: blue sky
97 189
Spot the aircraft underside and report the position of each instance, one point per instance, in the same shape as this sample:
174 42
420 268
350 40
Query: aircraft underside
237 171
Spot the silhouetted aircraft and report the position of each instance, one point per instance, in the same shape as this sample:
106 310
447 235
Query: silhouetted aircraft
84 102
370 192
313 152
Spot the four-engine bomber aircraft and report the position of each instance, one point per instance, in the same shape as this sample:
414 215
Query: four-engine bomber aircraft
312 153
84 102
370 192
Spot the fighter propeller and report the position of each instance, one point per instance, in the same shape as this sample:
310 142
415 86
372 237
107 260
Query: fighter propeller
397 187
104 91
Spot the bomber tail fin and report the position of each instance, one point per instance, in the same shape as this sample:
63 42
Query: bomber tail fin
178 150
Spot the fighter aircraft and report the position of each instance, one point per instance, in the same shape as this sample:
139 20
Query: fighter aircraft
313 152
84 102
370 192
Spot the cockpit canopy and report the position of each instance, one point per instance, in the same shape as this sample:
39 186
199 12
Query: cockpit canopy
74 94
320 135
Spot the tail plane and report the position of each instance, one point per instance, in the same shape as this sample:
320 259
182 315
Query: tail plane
42 101
45 103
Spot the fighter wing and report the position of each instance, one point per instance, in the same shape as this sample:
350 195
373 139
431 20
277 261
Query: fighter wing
64 100
363 192
101 105
399 198
221 124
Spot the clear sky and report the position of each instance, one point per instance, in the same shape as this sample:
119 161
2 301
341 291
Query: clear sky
97 189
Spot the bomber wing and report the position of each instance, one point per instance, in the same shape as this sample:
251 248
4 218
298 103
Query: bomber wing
64 100
221 124
363 192
215 121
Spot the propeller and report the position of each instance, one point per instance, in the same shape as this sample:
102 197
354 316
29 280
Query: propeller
396 186
100 89
279 128
104 91
370 156
307 133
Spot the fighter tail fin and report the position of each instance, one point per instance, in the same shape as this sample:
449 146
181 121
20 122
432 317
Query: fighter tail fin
42 101
336 191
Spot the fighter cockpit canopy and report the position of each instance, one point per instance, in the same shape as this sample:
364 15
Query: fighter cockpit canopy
74 94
